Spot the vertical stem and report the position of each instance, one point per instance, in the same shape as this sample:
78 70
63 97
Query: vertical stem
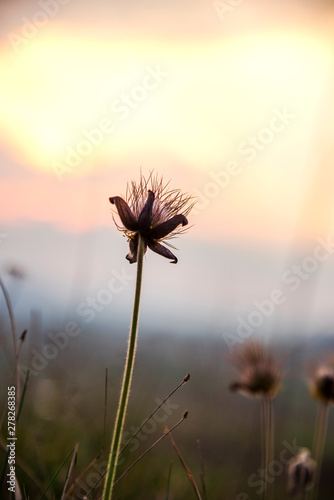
271 444
14 336
267 445
319 444
263 445
128 369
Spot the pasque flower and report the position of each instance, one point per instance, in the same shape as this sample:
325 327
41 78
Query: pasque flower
150 213
259 371
259 375
322 382
301 472
154 212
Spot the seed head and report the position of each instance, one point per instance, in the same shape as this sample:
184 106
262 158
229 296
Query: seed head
321 382
155 212
259 373
301 472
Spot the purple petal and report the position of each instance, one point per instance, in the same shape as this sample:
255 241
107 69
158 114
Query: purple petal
145 217
167 227
128 219
161 250
133 247
132 256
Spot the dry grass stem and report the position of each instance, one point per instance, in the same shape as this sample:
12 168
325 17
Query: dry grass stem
186 468
72 464
167 432
185 380
14 336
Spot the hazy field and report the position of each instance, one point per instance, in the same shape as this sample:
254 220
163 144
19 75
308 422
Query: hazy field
64 405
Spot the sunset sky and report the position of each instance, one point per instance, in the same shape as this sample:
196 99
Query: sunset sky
234 104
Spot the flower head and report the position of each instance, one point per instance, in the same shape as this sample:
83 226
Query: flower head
154 212
259 372
322 382
301 472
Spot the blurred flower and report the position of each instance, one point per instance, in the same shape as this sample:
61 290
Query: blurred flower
15 271
301 472
154 212
259 371
321 382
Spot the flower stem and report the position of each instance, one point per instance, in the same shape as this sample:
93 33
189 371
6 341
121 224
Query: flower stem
271 445
319 445
267 445
264 458
128 369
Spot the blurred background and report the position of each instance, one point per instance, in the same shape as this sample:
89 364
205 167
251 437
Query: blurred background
233 102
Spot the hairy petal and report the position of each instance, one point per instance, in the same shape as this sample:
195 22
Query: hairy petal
145 217
167 227
161 250
128 219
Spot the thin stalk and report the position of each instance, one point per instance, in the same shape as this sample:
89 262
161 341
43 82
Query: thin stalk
319 445
271 444
56 474
264 457
83 473
169 478
186 468
105 411
186 379
124 396
267 445
14 336
166 433
73 461
202 476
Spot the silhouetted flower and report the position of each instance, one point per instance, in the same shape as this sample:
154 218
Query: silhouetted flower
259 372
154 212
301 472
322 382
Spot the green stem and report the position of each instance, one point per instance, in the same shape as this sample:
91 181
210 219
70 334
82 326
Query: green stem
124 396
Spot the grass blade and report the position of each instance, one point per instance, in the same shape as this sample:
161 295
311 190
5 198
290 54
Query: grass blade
169 478
56 474
75 453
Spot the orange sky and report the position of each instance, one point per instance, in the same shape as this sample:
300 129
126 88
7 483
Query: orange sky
80 115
